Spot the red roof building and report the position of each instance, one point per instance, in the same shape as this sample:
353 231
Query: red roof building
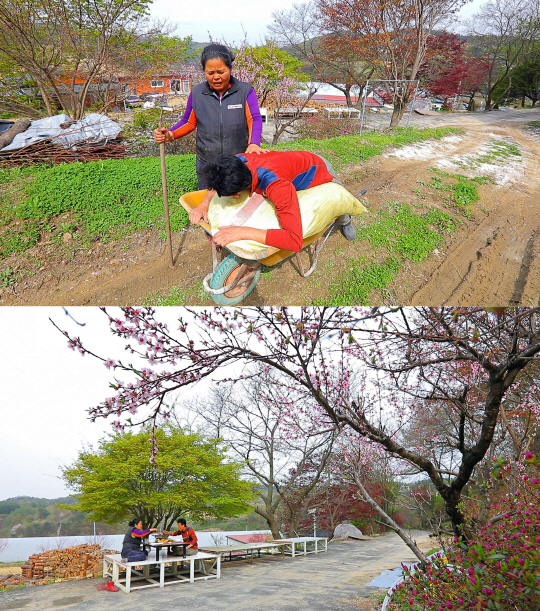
160 84
255 538
332 99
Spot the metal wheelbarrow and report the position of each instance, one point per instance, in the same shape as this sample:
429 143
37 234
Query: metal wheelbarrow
234 278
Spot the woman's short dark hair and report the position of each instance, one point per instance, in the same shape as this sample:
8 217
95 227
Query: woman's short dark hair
135 521
215 51
228 175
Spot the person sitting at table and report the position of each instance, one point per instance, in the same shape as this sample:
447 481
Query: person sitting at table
132 548
188 535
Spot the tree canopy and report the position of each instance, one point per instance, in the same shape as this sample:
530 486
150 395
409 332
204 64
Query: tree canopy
69 48
189 477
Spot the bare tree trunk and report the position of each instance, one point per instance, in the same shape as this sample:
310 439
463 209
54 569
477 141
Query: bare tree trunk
400 106
21 125
46 99
410 543
270 518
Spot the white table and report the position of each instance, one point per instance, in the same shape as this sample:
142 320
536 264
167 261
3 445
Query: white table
113 563
292 542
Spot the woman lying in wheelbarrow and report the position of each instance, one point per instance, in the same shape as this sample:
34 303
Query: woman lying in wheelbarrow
277 175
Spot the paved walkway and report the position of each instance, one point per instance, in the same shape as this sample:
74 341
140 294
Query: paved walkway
331 581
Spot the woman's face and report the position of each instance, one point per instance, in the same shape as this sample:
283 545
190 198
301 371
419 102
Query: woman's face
218 74
139 525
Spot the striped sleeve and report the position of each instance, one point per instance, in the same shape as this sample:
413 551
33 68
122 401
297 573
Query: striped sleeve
253 118
187 123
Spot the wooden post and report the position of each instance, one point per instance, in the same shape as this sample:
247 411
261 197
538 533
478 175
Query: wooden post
165 194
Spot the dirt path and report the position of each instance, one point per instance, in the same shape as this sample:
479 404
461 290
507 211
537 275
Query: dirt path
492 259
497 261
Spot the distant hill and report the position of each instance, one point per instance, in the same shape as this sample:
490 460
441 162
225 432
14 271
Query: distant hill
195 49
27 516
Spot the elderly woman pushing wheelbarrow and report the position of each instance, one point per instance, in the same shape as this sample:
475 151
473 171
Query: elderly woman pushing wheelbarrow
242 182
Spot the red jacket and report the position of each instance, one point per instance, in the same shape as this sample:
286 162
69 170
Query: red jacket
188 536
278 175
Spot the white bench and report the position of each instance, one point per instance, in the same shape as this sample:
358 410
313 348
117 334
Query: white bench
245 549
264 114
293 112
140 570
291 543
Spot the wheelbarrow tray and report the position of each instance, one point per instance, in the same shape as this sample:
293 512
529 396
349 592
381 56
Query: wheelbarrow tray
192 200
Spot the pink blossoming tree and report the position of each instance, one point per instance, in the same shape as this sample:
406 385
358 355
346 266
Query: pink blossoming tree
466 361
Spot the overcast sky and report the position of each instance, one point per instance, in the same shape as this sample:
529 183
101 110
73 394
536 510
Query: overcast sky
229 21
46 389
221 20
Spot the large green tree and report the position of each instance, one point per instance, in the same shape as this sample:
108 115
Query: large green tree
526 78
190 477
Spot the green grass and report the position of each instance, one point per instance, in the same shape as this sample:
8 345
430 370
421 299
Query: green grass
533 124
111 199
21 586
398 233
499 151
177 297
355 286
342 150
108 199
402 231
462 190
7 277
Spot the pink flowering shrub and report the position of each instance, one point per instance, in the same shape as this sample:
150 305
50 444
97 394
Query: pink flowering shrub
499 569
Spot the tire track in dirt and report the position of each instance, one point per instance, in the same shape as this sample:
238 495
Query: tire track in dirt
497 262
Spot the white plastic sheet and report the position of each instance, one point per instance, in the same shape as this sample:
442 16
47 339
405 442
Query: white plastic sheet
94 128
344 531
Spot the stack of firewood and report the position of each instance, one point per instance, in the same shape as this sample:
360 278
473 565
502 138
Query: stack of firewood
46 151
10 581
78 562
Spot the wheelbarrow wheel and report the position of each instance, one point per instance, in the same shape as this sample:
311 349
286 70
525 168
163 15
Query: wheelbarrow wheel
224 274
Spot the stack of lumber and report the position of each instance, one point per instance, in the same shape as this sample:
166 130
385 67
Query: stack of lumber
78 562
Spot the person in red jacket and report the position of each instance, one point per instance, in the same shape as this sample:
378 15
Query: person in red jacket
277 175
188 535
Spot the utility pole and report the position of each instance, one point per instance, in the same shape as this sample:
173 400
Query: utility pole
314 513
